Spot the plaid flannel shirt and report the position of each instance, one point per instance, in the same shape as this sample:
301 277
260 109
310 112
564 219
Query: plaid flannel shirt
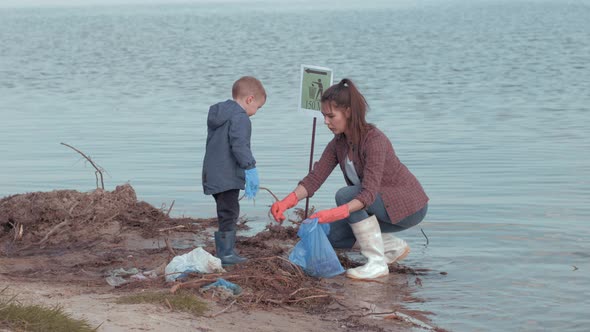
380 172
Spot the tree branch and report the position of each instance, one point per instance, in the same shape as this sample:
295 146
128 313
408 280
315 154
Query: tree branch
98 170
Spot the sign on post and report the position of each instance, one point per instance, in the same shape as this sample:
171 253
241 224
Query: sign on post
314 80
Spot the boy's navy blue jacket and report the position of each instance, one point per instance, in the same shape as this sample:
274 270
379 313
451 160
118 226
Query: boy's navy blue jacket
227 153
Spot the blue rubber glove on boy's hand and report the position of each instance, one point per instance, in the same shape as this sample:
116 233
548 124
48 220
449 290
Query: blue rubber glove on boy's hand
252 182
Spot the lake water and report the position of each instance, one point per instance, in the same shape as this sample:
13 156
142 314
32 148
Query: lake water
487 102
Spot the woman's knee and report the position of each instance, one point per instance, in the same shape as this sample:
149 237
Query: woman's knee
346 194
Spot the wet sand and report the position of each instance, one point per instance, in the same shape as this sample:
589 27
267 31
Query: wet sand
65 260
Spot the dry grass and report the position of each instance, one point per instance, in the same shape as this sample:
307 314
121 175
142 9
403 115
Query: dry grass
16 316
182 301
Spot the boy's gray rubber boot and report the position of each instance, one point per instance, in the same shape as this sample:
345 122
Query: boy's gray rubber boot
224 248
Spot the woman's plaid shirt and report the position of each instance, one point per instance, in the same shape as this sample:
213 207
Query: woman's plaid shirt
380 171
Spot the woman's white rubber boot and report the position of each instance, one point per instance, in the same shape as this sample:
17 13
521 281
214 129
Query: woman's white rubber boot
395 249
368 236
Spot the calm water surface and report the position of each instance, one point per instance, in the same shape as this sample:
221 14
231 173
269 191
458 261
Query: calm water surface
487 102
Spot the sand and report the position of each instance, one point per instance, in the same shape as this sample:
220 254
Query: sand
59 248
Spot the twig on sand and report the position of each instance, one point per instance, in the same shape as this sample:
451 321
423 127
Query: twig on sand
58 226
307 298
294 266
199 282
168 246
53 230
170 228
169 305
18 230
340 303
222 311
97 168
278 281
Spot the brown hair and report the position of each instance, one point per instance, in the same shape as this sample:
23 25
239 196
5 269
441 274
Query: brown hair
344 95
246 86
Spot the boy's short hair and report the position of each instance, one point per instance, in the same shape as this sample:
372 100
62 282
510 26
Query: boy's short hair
246 86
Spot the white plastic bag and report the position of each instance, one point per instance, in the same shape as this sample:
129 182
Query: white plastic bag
198 260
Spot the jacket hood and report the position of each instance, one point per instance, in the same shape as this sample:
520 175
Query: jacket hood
221 112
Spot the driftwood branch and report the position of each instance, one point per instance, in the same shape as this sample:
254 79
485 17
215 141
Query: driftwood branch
169 305
307 298
170 209
18 230
272 280
53 230
171 228
58 226
269 191
222 311
98 169
427 241
168 246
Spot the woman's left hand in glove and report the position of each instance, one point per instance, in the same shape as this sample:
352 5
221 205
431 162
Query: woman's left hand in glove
331 215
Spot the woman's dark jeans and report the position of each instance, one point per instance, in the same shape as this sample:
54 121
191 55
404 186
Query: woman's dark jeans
341 235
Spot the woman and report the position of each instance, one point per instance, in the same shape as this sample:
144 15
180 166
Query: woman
381 197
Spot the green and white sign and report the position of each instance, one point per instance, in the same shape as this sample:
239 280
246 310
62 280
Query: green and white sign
314 80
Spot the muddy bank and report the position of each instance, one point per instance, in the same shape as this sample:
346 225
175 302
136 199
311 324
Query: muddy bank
75 238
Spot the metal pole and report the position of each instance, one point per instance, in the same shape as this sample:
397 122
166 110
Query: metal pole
310 161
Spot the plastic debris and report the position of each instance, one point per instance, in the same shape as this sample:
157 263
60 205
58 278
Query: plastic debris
115 281
198 260
313 252
222 283
222 289
117 276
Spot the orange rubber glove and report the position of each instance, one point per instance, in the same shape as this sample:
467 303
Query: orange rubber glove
278 208
331 215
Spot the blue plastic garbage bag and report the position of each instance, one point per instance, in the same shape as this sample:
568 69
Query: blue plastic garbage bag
235 289
313 252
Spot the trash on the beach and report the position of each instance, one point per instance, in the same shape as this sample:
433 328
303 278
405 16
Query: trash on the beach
115 281
198 260
141 276
225 285
123 272
150 274
313 252
116 276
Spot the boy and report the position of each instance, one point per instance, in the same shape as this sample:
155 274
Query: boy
229 163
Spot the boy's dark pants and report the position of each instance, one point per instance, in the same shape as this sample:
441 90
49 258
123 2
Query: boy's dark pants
228 209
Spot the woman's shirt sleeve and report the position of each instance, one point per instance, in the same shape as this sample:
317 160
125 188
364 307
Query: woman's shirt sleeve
321 169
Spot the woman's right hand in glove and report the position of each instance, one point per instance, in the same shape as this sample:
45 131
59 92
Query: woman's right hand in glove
278 208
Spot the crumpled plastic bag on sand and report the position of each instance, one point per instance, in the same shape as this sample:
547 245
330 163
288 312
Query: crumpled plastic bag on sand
224 288
198 260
